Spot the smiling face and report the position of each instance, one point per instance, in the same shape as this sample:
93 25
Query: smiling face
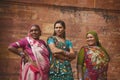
91 41
35 32
59 29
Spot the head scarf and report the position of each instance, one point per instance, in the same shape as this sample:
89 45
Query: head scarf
96 37
98 43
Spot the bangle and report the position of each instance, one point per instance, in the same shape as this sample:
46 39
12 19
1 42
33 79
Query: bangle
67 53
21 53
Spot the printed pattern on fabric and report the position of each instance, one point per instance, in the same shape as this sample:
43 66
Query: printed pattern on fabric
60 70
95 64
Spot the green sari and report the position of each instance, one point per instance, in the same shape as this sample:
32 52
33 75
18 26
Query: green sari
60 70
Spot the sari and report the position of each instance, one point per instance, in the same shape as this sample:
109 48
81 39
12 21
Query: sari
60 70
35 63
94 63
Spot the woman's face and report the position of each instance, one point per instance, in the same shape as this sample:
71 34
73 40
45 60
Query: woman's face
59 30
35 32
91 40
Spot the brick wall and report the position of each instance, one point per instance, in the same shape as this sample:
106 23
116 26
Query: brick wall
16 18
101 4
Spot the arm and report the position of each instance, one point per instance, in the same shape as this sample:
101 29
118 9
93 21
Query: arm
59 53
71 55
52 46
15 50
79 72
55 51
14 47
65 54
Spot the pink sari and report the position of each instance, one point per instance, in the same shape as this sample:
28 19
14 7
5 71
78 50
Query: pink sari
31 72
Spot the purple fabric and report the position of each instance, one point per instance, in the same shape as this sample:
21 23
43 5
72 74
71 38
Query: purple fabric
26 46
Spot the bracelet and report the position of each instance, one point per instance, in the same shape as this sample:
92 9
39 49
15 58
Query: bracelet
66 52
21 53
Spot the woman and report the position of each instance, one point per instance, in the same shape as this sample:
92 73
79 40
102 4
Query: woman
61 54
92 60
34 54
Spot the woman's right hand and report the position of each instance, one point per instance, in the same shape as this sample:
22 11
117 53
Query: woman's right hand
25 56
22 54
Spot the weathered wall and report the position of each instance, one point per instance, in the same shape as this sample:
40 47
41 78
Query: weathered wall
101 4
17 16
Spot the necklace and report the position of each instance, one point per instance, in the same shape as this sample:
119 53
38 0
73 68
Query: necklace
60 39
